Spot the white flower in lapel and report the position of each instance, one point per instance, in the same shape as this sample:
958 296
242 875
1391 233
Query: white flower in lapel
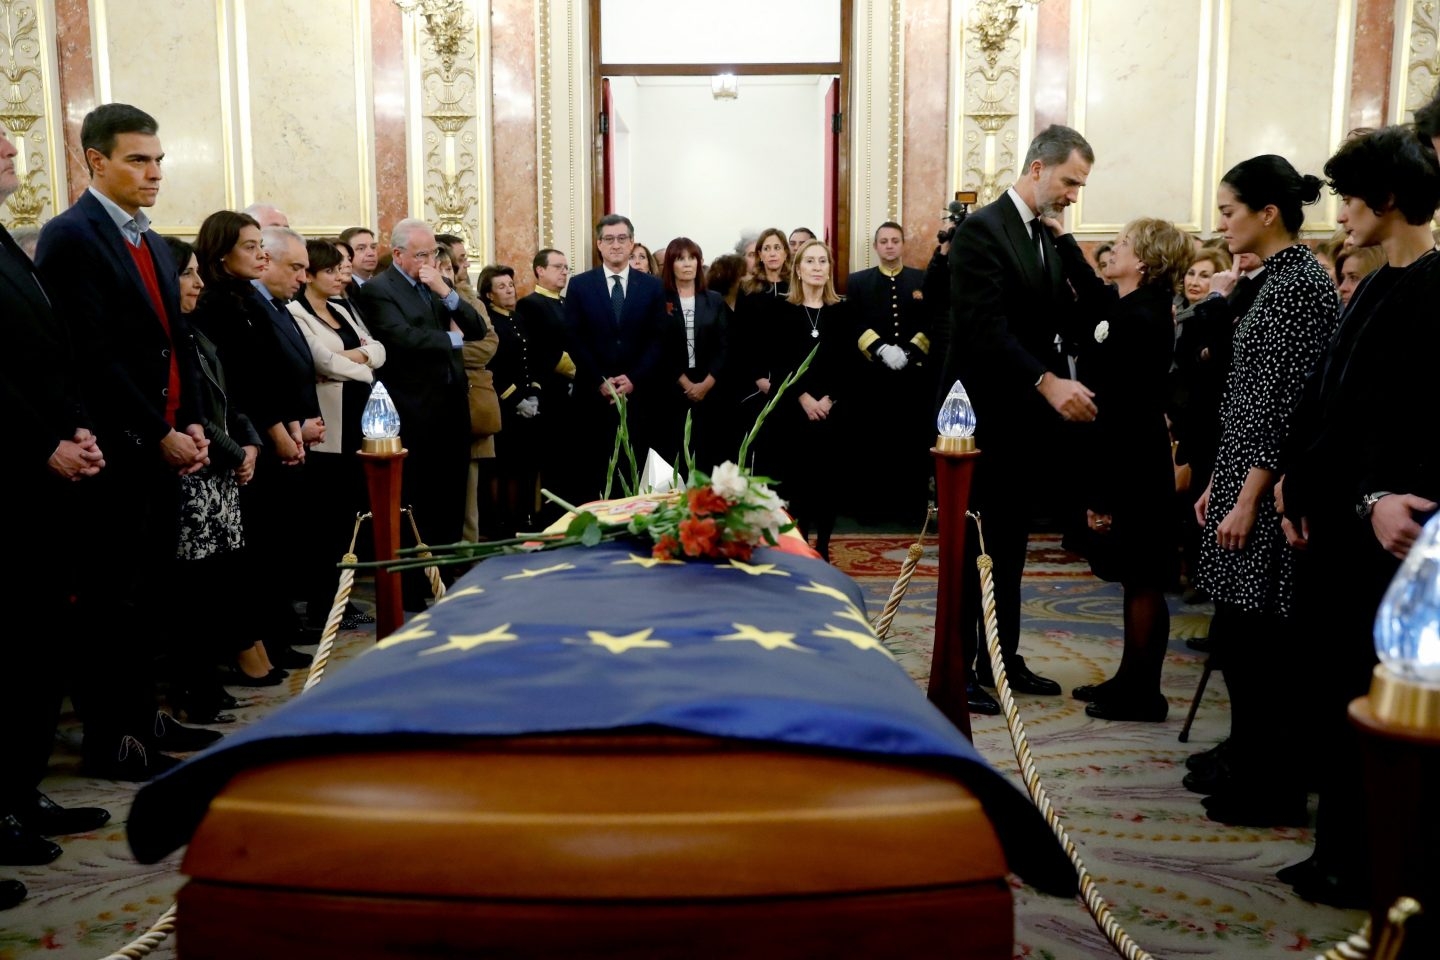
1102 330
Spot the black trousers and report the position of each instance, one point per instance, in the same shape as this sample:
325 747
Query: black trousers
1260 654
433 486
1004 493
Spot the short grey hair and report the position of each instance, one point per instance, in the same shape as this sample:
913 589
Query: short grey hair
279 238
400 233
746 238
258 210
1053 146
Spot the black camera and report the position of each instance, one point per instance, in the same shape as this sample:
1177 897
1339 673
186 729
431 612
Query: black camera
955 214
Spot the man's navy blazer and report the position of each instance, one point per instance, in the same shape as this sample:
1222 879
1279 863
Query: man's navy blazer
602 347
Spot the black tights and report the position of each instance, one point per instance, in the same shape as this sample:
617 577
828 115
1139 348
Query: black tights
1147 634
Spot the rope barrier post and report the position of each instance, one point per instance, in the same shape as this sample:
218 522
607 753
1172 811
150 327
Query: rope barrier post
953 650
383 470
902 582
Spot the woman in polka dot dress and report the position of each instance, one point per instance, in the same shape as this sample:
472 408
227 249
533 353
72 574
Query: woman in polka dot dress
1245 564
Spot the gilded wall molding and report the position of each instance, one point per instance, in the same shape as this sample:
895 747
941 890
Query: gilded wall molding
876 122
450 169
28 111
1416 70
562 135
991 65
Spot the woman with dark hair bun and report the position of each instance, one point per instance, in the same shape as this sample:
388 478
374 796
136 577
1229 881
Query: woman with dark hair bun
1362 475
1245 565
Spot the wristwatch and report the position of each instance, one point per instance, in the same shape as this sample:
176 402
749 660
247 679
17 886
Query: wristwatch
1366 506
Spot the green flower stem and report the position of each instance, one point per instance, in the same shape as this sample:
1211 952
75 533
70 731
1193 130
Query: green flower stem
774 400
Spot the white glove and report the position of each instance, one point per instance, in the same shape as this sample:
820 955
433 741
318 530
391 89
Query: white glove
528 407
892 356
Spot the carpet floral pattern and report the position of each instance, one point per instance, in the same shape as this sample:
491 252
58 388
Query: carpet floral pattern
1181 885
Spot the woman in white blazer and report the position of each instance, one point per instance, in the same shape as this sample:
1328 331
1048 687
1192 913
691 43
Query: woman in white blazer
346 357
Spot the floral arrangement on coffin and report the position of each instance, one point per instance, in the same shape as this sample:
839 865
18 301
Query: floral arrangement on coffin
723 515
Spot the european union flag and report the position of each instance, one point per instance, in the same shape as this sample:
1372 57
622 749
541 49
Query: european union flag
605 638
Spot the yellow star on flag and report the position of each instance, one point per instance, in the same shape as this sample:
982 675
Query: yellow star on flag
769 639
414 631
462 592
861 640
640 639
755 569
469 641
647 562
527 574
827 591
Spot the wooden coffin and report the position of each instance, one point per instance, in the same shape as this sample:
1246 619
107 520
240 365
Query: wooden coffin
601 846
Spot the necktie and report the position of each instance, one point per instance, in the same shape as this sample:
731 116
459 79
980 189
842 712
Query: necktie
424 292
617 298
1035 228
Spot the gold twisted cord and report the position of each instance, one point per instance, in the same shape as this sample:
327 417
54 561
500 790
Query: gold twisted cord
437 586
337 610
1097 905
902 583
146 943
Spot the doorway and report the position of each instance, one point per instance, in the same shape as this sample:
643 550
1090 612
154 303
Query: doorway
742 128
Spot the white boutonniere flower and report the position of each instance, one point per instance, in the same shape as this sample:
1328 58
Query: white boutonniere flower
1102 330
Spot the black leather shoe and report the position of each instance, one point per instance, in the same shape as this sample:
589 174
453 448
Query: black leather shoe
981 702
11 893
20 847
1216 779
1335 890
49 819
235 677
1206 759
1144 709
1298 872
289 658
1249 810
129 761
170 734
1091 692
1023 681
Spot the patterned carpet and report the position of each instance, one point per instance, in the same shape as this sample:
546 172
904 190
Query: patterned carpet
1181 885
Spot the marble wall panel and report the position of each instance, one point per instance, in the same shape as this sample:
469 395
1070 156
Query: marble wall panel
927 24
305 136
512 56
167 66
1370 77
1286 98
387 85
1141 84
73 56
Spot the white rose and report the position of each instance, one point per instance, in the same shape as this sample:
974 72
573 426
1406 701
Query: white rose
729 482
1102 330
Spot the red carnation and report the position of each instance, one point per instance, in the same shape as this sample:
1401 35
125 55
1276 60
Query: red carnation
665 548
698 537
736 550
705 500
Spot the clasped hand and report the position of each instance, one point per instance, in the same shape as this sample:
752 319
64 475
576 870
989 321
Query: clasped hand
816 409
78 457
187 452
529 407
892 356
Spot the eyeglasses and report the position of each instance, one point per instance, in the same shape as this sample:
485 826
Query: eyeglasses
423 255
615 238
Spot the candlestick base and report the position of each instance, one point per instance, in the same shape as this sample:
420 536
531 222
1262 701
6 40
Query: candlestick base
1400 702
954 445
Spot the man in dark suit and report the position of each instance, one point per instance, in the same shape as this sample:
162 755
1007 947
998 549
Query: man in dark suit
897 381
1009 306
112 279
543 314
422 322
613 320
367 255
54 449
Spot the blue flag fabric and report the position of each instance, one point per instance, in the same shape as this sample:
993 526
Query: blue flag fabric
605 638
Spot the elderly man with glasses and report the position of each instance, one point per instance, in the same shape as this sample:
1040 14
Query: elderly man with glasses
422 322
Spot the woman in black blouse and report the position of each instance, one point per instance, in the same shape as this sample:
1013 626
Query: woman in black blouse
1362 475
520 365
1125 337
750 347
807 439
697 332
1245 565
